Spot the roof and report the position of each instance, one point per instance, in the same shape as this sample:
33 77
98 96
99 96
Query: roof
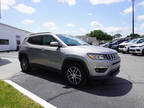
14 27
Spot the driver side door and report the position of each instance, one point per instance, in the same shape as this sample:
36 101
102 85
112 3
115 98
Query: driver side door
51 55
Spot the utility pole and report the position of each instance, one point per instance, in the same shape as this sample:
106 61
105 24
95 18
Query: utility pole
133 18
0 10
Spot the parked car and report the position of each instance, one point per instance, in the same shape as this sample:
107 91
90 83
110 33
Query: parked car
74 58
106 45
115 44
124 47
137 48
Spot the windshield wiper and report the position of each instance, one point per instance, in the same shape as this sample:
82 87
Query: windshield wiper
72 45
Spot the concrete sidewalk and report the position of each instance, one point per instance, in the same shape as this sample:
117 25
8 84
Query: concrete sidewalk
9 67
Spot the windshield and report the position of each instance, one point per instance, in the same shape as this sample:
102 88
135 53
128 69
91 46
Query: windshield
133 41
71 40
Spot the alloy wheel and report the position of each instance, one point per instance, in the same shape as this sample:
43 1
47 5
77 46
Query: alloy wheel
74 75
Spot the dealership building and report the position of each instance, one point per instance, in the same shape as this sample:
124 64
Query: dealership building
11 37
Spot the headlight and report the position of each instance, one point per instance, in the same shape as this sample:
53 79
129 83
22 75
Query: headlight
94 56
141 46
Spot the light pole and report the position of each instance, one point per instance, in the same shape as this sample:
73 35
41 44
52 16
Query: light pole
133 17
0 9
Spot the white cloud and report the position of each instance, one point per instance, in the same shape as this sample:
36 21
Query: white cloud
50 25
142 26
36 1
113 29
5 4
69 2
127 11
27 21
24 9
96 25
141 17
71 25
90 14
141 3
82 30
96 2
110 29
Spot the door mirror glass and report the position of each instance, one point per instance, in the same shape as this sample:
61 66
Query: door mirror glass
55 44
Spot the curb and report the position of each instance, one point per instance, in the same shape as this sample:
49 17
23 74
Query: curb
30 95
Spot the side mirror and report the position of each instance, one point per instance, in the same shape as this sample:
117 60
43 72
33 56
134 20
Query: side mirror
55 44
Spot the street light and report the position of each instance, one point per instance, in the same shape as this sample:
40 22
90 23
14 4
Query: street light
0 9
133 17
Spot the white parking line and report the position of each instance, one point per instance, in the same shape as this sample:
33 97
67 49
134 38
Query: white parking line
30 95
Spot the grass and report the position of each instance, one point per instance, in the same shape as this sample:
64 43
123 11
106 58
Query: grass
12 98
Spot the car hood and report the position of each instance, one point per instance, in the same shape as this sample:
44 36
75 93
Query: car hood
141 44
92 49
126 43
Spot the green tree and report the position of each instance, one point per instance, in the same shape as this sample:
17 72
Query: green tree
118 35
134 35
142 36
100 35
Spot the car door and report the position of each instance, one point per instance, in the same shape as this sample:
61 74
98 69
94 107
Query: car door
34 49
51 55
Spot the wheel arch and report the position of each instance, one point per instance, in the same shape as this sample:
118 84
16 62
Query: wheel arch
21 55
74 60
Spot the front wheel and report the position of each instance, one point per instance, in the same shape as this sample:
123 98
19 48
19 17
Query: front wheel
25 66
75 74
143 52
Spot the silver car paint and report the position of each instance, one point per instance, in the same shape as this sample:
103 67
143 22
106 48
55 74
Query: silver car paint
54 56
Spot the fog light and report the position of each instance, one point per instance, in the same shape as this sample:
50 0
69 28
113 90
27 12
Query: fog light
100 70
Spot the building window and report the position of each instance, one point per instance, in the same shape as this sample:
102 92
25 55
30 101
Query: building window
4 42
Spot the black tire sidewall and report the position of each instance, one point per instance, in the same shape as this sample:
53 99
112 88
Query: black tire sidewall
83 73
27 63
143 52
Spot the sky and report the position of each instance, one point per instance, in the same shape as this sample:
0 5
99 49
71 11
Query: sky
75 17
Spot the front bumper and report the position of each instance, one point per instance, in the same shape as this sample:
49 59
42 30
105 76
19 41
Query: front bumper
125 49
135 50
112 68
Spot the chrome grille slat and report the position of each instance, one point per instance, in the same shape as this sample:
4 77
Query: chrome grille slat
111 56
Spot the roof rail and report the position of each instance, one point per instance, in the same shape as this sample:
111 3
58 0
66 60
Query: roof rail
39 33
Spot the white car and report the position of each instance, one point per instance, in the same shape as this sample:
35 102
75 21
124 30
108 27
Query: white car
137 48
124 47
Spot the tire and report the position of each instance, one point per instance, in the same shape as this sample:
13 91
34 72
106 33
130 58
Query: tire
75 74
25 66
128 51
134 54
143 52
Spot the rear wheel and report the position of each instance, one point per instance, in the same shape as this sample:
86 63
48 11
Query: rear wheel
75 74
25 66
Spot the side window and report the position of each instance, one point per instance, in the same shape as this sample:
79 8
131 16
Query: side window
36 40
47 39
141 41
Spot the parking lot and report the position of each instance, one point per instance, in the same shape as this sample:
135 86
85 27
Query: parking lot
125 91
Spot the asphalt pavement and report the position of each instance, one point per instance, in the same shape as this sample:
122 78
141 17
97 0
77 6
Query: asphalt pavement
124 91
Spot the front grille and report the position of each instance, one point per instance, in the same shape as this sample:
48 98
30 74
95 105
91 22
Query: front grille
112 56
132 46
132 50
121 46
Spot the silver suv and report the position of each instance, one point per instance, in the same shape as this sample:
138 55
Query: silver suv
68 55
